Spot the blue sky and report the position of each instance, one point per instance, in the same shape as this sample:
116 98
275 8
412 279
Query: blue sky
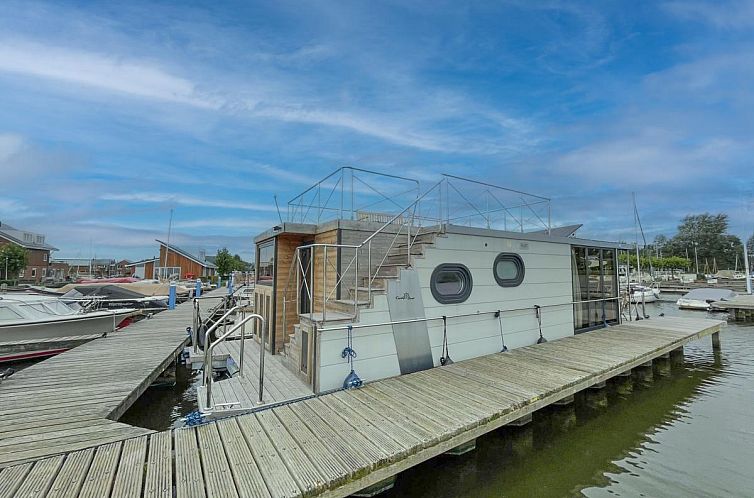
112 114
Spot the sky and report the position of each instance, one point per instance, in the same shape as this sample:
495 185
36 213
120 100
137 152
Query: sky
114 114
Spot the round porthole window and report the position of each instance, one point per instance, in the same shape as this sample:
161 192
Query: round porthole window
451 283
508 269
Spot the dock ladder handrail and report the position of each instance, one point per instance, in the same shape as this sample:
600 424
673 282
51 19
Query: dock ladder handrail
208 367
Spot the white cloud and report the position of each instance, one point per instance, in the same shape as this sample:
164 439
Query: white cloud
105 72
737 14
186 200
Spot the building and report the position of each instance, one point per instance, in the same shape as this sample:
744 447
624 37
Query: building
174 261
36 248
83 267
141 269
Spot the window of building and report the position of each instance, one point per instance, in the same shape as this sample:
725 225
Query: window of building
44 257
595 287
266 263
451 283
508 269
33 272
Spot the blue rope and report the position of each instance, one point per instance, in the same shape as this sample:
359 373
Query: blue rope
352 380
194 418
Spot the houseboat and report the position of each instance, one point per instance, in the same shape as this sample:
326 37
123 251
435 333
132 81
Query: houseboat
373 276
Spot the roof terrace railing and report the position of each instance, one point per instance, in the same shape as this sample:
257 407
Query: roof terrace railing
352 193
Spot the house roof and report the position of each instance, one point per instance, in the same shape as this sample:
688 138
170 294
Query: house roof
16 236
187 254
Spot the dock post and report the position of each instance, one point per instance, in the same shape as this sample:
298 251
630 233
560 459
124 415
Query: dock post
171 296
644 373
198 290
377 488
716 341
462 449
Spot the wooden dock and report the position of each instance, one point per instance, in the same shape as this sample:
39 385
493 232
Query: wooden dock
241 393
340 443
74 399
740 308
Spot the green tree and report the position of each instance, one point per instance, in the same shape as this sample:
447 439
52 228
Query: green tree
707 233
224 261
750 245
17 259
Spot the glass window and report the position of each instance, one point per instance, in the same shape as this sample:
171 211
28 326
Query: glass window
451 283
595 285
266 263
508 269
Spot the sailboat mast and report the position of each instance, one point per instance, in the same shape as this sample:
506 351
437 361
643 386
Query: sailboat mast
167 244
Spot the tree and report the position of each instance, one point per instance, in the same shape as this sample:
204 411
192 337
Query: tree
750 245
224 261
17 259
707 234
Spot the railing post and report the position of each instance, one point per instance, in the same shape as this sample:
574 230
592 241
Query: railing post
311 283
243 341
261 360
356 288
369 266
324 284
297 262
195 330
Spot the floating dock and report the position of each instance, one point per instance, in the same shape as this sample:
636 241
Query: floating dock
740 308
74 399
332 445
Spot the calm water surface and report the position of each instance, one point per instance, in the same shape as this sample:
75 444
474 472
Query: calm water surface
687 434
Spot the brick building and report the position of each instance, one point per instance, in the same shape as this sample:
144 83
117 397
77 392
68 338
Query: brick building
37 249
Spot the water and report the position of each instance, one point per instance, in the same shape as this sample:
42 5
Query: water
688 434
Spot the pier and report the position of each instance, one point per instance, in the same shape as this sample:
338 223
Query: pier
336 444
74 399
740 308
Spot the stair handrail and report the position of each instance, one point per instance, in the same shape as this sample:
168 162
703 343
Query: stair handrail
357 247
209 367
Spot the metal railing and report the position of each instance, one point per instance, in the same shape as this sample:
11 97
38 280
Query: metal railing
406 220
476 313
349 192
209 368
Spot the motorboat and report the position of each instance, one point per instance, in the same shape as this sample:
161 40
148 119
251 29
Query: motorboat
702 298
643 293
29 317
108 296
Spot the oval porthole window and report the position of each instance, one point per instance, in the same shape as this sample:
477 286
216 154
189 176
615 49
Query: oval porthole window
508 269
451 283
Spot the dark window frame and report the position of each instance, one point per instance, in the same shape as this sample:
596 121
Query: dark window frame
515 258
451 298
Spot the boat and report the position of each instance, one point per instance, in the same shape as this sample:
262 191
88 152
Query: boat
27 317
382 285
109 296
702 299
643 293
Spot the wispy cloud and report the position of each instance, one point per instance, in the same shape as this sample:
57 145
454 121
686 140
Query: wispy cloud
99 71
185 200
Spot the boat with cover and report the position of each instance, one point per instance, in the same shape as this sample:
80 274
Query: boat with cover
29 317
643 293
702 298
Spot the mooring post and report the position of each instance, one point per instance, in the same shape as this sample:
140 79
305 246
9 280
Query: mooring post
171 296
198 290
716 341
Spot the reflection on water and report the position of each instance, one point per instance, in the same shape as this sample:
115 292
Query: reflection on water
689 432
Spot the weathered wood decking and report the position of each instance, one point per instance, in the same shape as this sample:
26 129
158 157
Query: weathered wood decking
73 400
242 393
339 443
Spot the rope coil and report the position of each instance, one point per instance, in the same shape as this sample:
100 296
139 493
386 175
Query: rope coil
352 380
